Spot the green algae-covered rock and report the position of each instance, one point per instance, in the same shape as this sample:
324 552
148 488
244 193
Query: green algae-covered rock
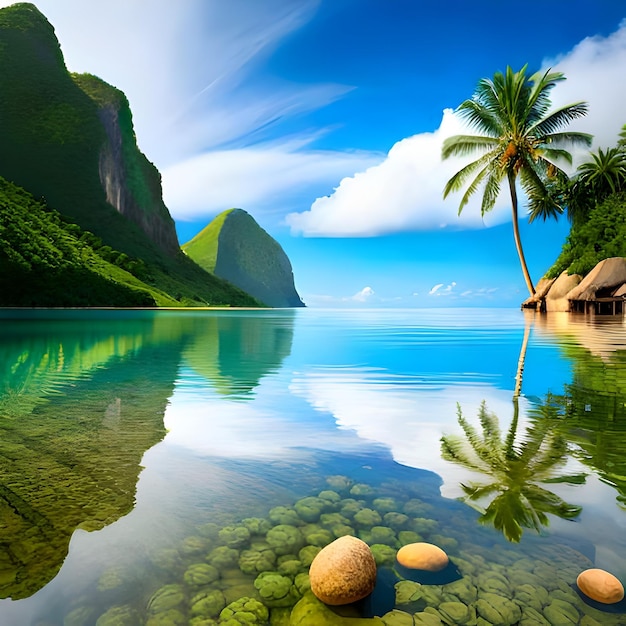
290 567
284 515
207 603
417 508
408 591
497 610
307 554
405 537
531 596
350 507
119 616
379 534
255 561
202 621
310 508
194 545
339 483
234 536
280 617
492 582
201 574
244 612
560 613
167 597
457 613
367 518
397 618
427 619
316 535
309 611
395 520
330 496
276 590
302 583
423 526
463 589
329 520
532 617
171 617
223 557
285 539
167 560
385 505
209 530
256 525
80 616
383 554
361 490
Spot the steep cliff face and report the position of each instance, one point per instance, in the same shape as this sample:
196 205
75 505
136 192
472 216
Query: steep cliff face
70 138
234 247
132 184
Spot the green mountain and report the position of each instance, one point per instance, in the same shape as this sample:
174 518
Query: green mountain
234 247
69 141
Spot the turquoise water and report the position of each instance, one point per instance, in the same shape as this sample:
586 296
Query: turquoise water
130 439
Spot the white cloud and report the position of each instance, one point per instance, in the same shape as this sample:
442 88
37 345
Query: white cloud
364 295
262 176
594 71
404 191
435 289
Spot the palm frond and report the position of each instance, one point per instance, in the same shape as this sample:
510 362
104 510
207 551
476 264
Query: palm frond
479 117
582 140
492 189
460 178
558 119
463 145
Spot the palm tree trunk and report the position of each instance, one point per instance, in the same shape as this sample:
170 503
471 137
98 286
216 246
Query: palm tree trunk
516 235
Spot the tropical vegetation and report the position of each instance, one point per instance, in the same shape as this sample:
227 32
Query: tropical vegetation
596 202
519 138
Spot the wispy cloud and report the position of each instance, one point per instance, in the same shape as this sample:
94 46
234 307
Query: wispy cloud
404 190
440 290
262 177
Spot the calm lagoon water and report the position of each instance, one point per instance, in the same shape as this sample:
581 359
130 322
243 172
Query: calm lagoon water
134 444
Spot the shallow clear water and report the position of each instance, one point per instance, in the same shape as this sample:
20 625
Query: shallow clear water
129 439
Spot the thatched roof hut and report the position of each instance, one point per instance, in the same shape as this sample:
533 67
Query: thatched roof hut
603 289
602 281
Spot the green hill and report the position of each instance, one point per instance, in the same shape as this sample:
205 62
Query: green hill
234 247
69 141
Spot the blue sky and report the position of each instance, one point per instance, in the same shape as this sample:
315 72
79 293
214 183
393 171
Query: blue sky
324 120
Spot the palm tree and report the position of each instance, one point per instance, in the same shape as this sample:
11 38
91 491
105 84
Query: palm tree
518 137
515 470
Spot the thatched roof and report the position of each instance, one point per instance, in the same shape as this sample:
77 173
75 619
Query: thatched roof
607 275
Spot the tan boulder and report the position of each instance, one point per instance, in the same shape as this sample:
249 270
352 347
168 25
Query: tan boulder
422 555
343 572
600 586
557 298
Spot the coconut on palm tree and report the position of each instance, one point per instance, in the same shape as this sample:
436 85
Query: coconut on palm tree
519 138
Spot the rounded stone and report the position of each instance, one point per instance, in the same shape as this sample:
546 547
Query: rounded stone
422 555
600 586
343 572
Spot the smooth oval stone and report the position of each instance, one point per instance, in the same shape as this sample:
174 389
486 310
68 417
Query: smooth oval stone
600 586
343 572
422 555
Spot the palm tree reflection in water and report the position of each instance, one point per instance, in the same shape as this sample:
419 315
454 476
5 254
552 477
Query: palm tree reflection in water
516 470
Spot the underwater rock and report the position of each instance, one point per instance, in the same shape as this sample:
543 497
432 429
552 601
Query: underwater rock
422 555
247 611
285 539
119 616
276 590
601 586
310 508
343 572
309 611
201 574
208 603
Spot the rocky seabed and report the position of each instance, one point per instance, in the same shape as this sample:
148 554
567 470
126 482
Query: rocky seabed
255 571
